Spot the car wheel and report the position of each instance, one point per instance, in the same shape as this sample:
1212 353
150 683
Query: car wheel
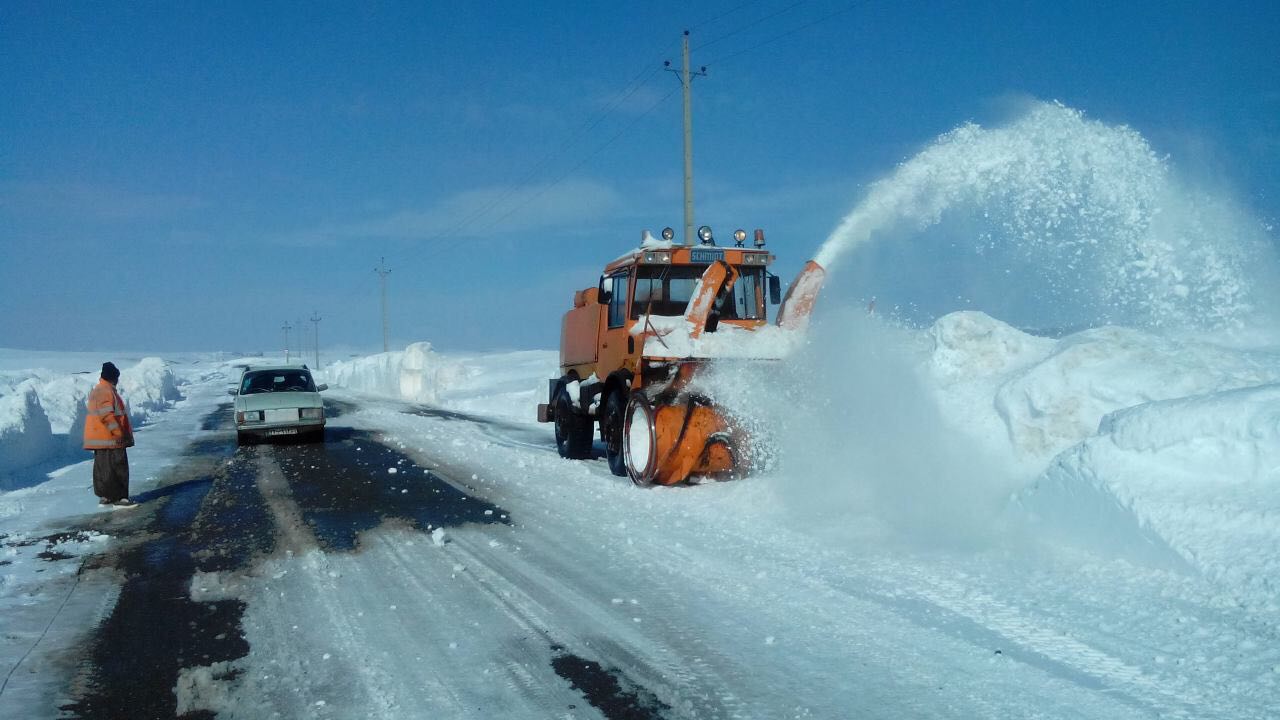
243 439
573 429
615 409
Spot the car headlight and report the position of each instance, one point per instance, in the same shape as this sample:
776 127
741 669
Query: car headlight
311 413
249 416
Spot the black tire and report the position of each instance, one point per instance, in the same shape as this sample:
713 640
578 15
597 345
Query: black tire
573 429
615 411
243 439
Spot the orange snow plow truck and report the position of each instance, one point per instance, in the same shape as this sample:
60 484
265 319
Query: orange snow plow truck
633 348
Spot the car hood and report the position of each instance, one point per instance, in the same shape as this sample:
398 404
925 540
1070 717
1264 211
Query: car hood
269 401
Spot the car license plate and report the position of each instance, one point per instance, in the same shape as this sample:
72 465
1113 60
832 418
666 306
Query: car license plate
283 431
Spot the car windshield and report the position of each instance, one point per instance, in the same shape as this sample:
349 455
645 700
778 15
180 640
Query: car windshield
666 290
265 381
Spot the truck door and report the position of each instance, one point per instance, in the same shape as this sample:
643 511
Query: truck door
613 340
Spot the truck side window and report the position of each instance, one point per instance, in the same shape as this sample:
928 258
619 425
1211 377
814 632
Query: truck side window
617 300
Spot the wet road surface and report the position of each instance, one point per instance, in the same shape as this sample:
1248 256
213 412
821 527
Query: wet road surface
209 515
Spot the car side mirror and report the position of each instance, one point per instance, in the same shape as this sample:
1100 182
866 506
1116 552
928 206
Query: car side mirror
321 387
233 391
775 290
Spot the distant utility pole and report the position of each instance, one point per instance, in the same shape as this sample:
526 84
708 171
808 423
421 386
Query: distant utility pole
286 329
382 276
686 80
315 319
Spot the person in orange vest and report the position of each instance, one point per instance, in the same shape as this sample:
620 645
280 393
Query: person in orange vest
107 432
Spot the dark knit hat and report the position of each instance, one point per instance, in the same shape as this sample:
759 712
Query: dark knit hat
110 372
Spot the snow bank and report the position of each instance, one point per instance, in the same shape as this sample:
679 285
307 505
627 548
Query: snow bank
1161 449
1198 477
503 385
25 436
416 374
148 387
1048 395
42 417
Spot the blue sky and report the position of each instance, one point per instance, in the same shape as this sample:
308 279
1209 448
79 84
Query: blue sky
192 176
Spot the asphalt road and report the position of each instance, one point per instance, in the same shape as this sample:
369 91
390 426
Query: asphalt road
223 509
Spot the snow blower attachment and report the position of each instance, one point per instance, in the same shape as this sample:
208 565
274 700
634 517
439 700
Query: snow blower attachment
633 348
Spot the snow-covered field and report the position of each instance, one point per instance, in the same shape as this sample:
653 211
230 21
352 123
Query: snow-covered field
960 521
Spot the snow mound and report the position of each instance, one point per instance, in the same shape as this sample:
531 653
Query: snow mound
502 384
42 417
1059 401
1198 477
416 374
148 387
970 344
25 436
423 373
1046 395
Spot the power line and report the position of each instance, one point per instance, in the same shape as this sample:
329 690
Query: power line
788 33
544 189
721 16
751 24
630 89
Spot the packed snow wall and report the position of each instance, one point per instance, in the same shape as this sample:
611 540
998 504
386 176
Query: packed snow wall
42 412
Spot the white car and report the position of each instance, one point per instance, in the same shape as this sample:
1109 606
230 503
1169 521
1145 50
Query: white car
278 401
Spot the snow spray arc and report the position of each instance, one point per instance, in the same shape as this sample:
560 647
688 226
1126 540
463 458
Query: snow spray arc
1088 207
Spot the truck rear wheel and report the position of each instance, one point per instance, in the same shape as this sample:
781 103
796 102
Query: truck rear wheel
573 429
615 412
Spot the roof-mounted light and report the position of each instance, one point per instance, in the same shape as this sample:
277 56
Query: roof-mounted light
668 233
658 256
704 234
739 237
759 238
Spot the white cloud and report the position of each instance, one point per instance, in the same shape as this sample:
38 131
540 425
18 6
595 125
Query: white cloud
93 202
483 212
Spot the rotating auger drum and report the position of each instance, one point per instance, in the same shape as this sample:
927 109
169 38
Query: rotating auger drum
676 435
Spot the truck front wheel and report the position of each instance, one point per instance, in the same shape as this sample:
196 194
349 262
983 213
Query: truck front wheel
573 429
615 411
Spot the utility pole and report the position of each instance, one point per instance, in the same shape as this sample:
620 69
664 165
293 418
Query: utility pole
686 81
382 276
315 335
286 329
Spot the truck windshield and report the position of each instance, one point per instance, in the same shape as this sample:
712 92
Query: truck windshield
666 290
